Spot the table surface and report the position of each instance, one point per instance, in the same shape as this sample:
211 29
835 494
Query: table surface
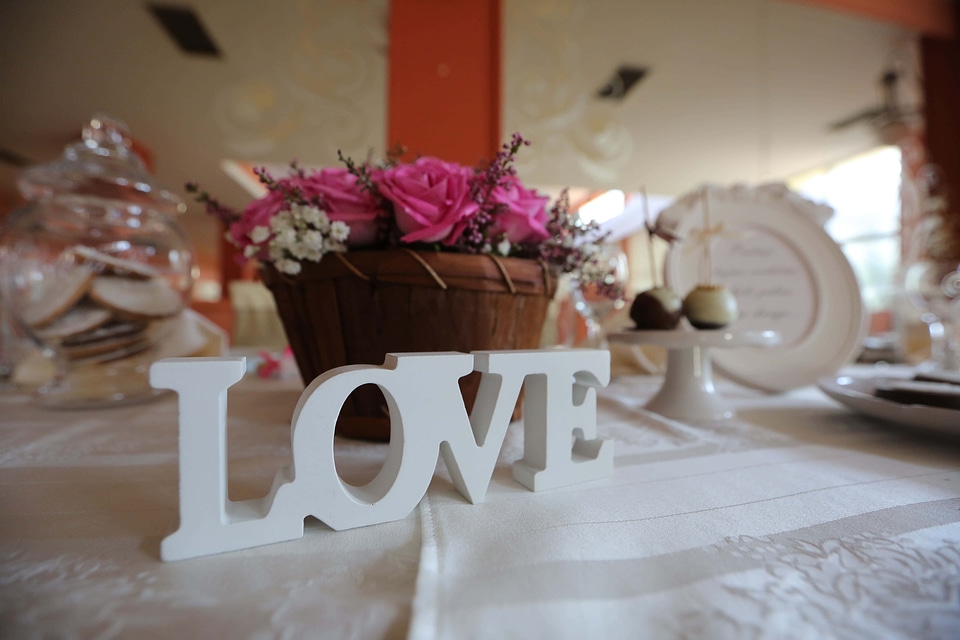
796 519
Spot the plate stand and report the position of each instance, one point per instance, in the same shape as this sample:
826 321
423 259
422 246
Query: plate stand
687 392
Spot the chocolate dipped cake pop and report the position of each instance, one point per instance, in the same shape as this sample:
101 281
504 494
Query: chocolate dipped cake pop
657 308
709 305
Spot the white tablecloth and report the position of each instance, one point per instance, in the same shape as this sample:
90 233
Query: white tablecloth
797 519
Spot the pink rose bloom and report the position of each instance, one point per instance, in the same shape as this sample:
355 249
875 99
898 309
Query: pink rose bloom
257 214
525 216
344 201
342 198
431 199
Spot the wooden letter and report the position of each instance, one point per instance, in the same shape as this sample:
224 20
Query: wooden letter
426 415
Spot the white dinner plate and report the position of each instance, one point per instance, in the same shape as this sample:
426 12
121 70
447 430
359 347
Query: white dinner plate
787 274
857 394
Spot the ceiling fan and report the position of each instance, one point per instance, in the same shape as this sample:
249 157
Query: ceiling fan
889 119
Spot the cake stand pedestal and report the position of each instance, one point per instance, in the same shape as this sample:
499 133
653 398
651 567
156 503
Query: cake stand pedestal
687 392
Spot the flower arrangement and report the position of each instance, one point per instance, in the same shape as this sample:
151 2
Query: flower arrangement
423 204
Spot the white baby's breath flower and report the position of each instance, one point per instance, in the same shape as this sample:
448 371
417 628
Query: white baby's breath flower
503 247
286 237
322 222
229 238
259 234
487 248
339 230
313 239
314 216
291 267
593 269
283 220
298 250
251 250
313 255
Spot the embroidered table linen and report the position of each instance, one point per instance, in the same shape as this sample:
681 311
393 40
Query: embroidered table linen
796 519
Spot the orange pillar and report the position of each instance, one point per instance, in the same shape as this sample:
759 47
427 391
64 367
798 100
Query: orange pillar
444 78
443 85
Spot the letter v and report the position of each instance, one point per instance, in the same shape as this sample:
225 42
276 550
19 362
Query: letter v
471 455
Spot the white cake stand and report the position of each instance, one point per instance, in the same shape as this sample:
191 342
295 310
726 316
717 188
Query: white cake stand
687 392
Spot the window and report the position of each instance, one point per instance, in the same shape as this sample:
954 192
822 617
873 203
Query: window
864 192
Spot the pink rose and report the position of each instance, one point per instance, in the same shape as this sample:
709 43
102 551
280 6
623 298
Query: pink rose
257 214
345 201
431 199
342 199
525 217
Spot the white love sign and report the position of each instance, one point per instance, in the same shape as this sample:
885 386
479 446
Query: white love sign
427 417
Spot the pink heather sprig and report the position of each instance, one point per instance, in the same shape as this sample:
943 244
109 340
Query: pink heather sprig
291 195
213 207
395 156
570 246
567 234
476 236
499 168
388 234
297 170
363 174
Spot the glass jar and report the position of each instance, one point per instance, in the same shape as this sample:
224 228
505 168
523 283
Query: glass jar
96 270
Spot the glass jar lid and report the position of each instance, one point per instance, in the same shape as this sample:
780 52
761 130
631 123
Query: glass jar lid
103 164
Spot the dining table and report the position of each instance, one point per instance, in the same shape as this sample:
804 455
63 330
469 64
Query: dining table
795 518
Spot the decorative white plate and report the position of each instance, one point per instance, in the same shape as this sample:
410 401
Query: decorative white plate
787 274
857 394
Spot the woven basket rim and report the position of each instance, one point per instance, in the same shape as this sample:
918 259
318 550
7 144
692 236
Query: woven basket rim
424 268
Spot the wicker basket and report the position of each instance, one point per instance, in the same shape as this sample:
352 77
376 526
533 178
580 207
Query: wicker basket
354 308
